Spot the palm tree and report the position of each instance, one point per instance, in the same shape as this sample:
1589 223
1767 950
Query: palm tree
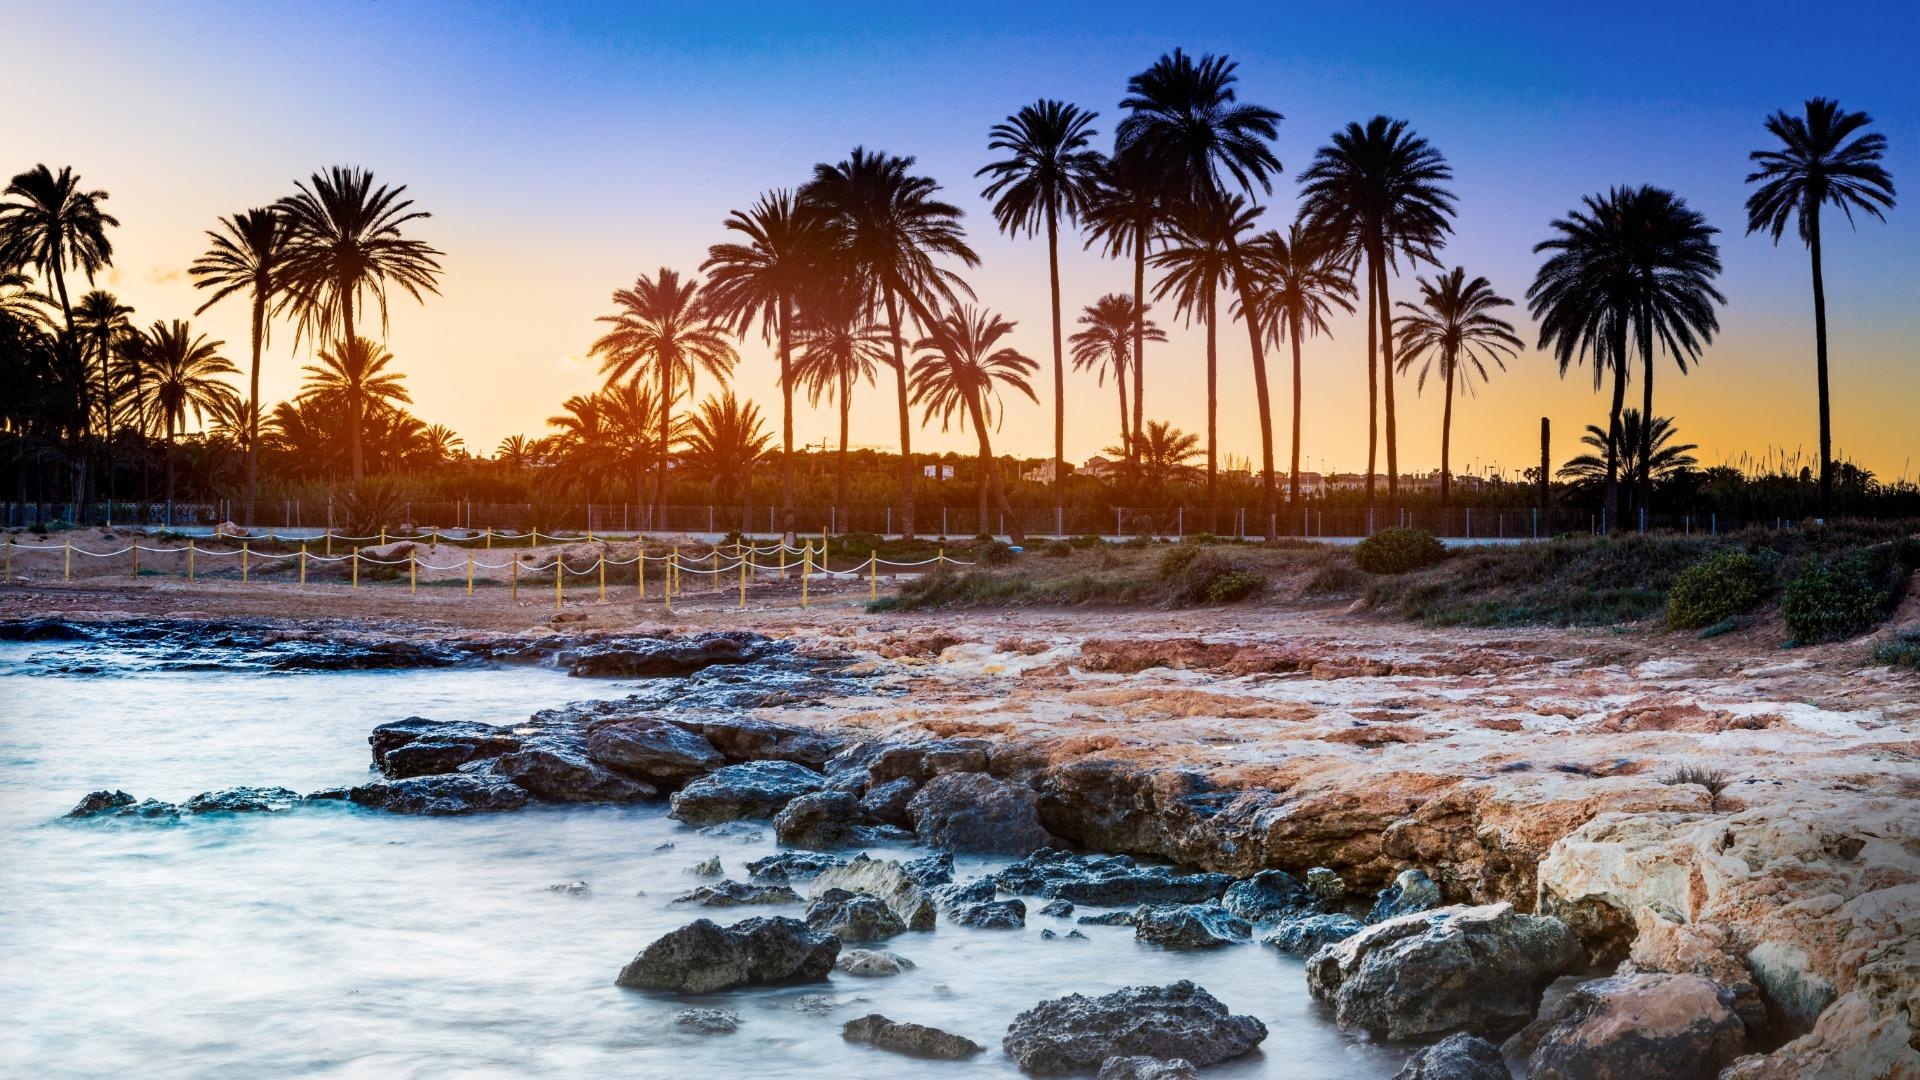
1106 346
726 439
1302 278
630 408
353 378
1824 157
1121 217
887 231
48 223
185 372
1590 471
840 349
581 440
100 321
663 328
249 251
1453 331
1164 451
20 303
761 279
1051 174
1187 124
1378 189
519 453
1675 262
959 373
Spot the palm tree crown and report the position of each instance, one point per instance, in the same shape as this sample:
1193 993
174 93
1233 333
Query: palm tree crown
347 241
960 372
1453 332
1184 118
48 222
250 252
1303 276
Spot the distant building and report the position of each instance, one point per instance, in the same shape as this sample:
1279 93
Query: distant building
1043 472
937 472
1098 466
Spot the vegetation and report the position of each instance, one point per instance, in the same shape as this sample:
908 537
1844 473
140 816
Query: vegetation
1839 598
1397 550
1900 651
1717 588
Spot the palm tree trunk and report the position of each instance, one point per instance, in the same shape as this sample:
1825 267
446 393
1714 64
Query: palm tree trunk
1373 381
106 405
253 406
1059 364
1250 314
1139 341
1126 431
786 418
346 342
169 471
1820 364
1386 381
991 470
1619 351
1213 413
840 482
1293 481
666 431
1643 481
906 418
1446 436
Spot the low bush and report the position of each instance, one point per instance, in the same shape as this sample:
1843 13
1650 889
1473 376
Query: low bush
1716 589
1902 651
1832 600
1056 549
1199 576
1176 561
1397 551
992 553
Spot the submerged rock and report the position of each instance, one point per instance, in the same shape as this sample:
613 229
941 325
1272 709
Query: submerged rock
662 754
914 1040
974 812
872 963
1304 936
736 894
792 866
885 879
1140 1067
444 794
1456 1057
990 915
930 870
1078 1034
120 804
1410 892
702 956
853 916
757 789
707 867
1269 894
707 1021
1107 880
1189 926
1634 1026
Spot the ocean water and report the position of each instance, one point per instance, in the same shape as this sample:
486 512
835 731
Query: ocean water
331 941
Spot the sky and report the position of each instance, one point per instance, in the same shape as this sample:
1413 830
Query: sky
563 149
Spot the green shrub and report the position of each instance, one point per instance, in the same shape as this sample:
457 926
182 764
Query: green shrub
1087 540
1902 651
1715 589
1233 585
1208 577
992 553
1834 600
1056 549
1397 550
1176 561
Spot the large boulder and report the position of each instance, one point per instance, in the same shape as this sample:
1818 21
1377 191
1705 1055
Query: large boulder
1189 926
1682 1027
853 916
1475 969
1078 1034
757 789
631 658
703 956
827 819
887 803
914 1040
885 879
662 754
1304 935
448 793
561 774
1107 880
922 761
1457 1057
242 800
741 739
974 812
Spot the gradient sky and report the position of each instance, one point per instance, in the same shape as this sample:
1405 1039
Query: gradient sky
565 148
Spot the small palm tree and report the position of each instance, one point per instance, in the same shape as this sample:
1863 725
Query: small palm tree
1302 277
1454 333
839 350
354 379
1163 452
629 409
100 322
1590 473
726 439
519 453
49 223
580 441
20 303
1105 347
1121 218
440 444
185 372
247 253
1050 175
959 374
1826 156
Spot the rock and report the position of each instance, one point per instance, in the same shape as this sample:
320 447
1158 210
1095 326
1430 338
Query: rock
872 963
1059 909
914 1040
853 916
886 880
1107 880
429 756
570 888
1326 887
707 867
992 915
930 870
702 956
824 819
561 775
1410 892
95 803
1456 1057
446 793
707 1021
980 890
757 789
1663 942
922 761
1304 935
1634 1026
662 754
1190 926
739 832
1266 895
1107 918
443 745
792 866
748 740
242 800
630 658
974 812
822 1003
887 803
1140 1067
1476 969
736 894
1078 1034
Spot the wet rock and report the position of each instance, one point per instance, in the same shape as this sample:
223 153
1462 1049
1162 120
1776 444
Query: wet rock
825 819
1059 909
1304 935
748 740
707 867
1475 969
930 870
702 956
1107 880
974 812
444 794
119 804
737 894
992 915
853 916
662 754
640 658
707 1021
791 866
1189 926
738 832
922 761
872 963
329 794
1269 894
561 775
1078 1034
570 888
442 745
887 803
1456 1057
1634 1026
914 1040
1326 887
886 880
822 1003
758 789
429 756
1140 1067
980 890
1410 892
1107 918
1071 935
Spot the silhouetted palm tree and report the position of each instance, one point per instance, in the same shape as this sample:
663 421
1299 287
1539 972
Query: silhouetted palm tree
1051 175
48 223
762 279
725 439
440 444
961 368
630 408
1121 218
1590 471
1675 262
517 452
1105 347
1302 278
1378 188
100 323
185 372
1163 452
353 378
887 231
581 439
1453 332
1825 156
248 252
840 348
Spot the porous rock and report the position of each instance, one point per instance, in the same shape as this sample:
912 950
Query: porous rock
1189 926
757 789
853 916
703 956
977 813
1077 1033
662 754
1633 1026
1456 1057
441 794
913 1040
885 879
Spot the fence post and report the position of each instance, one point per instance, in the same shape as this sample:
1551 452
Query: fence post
806 570
666 580
783 558
489 538
246 557
383 536
743 583
469 573
356 568
413 570
603 577
303 565
1059 521
1180 522
943 521
1536 523
66 572
1643 519
514 574
1469 522
9 574
189 558
673 572
873 575
559 579
1116 522
1714 523
133 548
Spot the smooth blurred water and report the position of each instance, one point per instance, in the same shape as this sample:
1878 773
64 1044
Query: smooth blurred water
332 941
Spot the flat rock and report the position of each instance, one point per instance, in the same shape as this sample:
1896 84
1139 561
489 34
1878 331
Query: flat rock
640 658
1140 1067
791 866
743 739
1457 1057
853 916
757 789
559 774
707 1021
1078 1034
872 963
1107 880
662 754
737 894
1190 926
914 1040
440 795
242 800
1634 1026
990 915
703 956
1306 934
974 812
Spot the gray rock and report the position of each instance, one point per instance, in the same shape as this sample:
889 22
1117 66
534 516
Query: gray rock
707 867
888 802
662 754
736 894
559 774
1107 880
826 819
119 804
1071 935
822 1003
749 740
1634 1026
570 888
757 789
1107 918
914 1040
1305 934
791 866
1269 894
930 870
1190 926
739 832
1474 969
444 745
426 757
992 915
1457 1057
853 916
1138 1067
1078 1034
922 761
707 1021
640 658
1410 892
242 800
443 794
885 879
872 963
980 890
1326 887
1059 909
974 812
703 956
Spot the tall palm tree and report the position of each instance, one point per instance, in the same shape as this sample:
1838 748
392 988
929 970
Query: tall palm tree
762 279
839 349
248 252
1186 122
1675 262
1050 174
1661 460
1453 332
100 321
353 378
888 230
663 328
1121 218
1302 277
959 374
726 439
1825 157
185 371
1106 346
1379 188
49 223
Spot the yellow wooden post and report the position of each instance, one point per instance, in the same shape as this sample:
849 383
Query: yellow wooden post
413 569
743 583
133 548
303 564
939 556
873 575
356 568
489 538
603 577
783 558
666 580
673 571
806 569
469 573
67 570
433 535
559 580
383 536
245 557
515 561
189 558
640 568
